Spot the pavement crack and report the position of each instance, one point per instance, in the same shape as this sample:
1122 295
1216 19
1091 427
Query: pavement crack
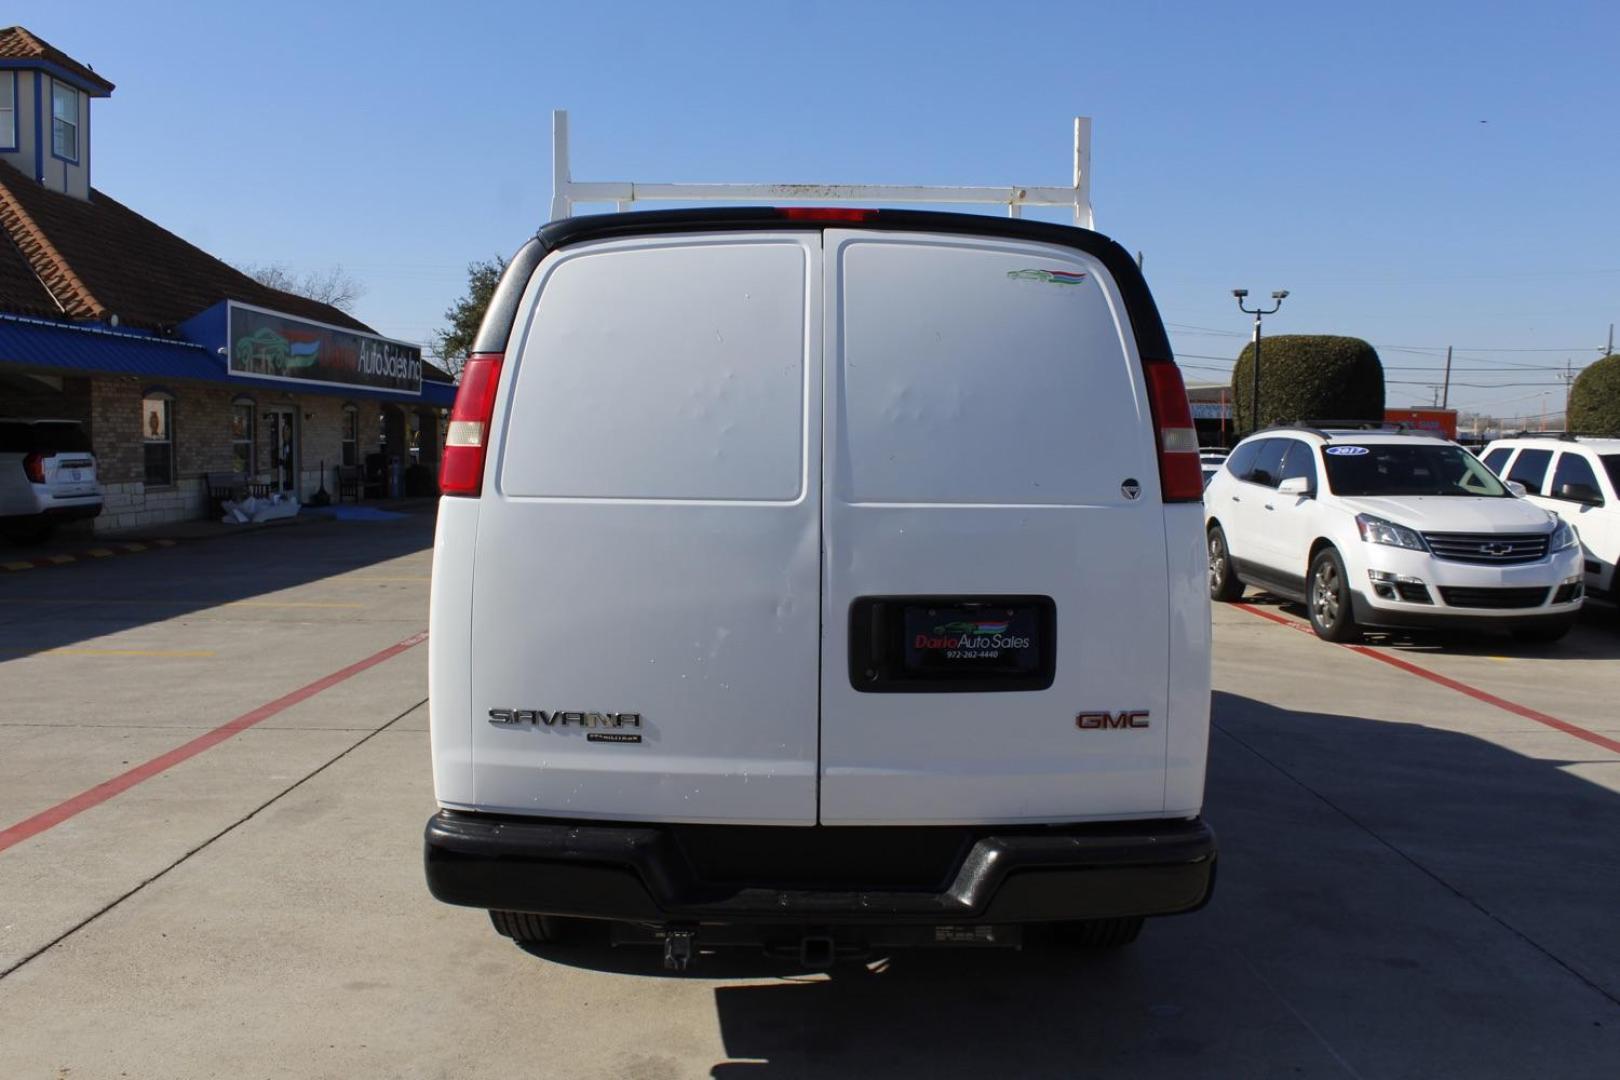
370 734
1421 868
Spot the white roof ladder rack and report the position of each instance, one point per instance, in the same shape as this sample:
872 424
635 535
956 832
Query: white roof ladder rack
566 191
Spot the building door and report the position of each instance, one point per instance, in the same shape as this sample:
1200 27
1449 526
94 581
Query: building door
282 429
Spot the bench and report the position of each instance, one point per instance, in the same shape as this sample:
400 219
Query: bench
225 487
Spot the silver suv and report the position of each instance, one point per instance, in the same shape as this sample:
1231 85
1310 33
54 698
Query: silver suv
47 476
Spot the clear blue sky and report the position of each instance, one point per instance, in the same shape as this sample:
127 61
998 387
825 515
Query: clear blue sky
1338 152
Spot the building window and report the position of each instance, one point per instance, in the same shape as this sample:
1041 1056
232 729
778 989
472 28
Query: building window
8 110
64 121
351 435
242 460
157 432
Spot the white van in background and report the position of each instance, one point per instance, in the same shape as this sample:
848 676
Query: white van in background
824 580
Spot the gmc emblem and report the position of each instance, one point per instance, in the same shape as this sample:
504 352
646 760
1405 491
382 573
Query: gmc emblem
1096 721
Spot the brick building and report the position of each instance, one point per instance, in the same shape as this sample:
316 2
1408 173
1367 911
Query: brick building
180 366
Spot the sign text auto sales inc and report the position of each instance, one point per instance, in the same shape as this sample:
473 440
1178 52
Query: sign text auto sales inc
268 345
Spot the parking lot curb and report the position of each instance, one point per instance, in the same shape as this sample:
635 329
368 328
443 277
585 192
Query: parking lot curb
100 551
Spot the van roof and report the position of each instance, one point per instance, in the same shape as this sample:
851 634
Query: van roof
1151 341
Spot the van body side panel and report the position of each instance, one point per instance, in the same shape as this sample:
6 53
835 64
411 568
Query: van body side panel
1187 717
647 606
987 425
450 652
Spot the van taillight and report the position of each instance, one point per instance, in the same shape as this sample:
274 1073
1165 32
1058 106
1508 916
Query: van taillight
1181 476
34 466
461 471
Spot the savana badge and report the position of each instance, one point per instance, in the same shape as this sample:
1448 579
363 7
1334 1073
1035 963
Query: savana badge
1051 277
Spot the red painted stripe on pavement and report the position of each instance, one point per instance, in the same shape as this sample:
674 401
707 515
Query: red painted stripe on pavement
1452 684
62 811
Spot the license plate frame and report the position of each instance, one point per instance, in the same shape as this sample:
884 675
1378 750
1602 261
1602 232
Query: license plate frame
952 644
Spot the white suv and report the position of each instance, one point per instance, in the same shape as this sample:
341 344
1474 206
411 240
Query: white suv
47 476
1386 528
827 580
1577 478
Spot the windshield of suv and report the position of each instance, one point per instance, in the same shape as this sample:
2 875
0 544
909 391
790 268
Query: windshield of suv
1417 469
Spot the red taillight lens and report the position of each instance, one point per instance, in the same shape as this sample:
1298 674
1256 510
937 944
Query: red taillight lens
34 467
1181 477
825 213
461 471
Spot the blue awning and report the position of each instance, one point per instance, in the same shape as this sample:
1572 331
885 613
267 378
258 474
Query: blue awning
60 347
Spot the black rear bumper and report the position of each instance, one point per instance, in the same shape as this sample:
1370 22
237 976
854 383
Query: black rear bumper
820 874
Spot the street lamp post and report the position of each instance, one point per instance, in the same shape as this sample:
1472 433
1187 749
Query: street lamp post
1254 396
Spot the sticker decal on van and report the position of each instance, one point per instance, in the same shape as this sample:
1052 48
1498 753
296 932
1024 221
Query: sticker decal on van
1346 451
1050 277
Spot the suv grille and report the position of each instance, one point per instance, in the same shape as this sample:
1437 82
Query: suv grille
1494 549
1493 598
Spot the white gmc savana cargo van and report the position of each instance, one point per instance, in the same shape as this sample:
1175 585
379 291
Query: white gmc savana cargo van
825 580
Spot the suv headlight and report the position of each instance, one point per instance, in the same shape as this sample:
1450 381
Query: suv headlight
1378 531
1563 537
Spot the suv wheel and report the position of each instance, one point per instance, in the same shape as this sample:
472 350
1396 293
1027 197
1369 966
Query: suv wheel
529 929
1223 580
1328 599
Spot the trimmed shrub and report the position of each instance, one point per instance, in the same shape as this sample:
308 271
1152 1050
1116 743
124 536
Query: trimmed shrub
1309 377
1594 400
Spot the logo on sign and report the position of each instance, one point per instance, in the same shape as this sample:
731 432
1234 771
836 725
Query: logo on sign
1050 277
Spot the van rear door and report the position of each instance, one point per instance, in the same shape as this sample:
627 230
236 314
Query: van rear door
645 621
994 595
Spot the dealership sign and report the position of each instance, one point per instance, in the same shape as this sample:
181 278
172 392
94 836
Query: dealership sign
263 344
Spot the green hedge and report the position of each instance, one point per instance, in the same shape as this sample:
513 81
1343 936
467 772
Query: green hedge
1594 400
1309 377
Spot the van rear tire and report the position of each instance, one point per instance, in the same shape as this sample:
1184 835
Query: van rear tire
526 928
1098 933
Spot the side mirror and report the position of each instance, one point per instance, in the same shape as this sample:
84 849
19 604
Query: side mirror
1296 486
1580 493
1517 488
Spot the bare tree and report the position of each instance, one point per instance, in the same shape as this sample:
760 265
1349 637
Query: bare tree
334 285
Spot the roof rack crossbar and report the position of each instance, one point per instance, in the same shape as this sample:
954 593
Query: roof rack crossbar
566 191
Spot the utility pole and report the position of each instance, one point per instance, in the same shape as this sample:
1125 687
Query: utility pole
1445 389
1254 396
1569 388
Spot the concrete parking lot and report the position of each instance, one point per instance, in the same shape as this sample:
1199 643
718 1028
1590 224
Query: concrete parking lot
214 774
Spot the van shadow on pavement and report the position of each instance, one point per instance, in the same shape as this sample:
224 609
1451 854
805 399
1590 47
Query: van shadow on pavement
1394 900
64 605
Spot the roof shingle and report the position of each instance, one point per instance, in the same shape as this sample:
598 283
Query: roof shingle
17 43
99 258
